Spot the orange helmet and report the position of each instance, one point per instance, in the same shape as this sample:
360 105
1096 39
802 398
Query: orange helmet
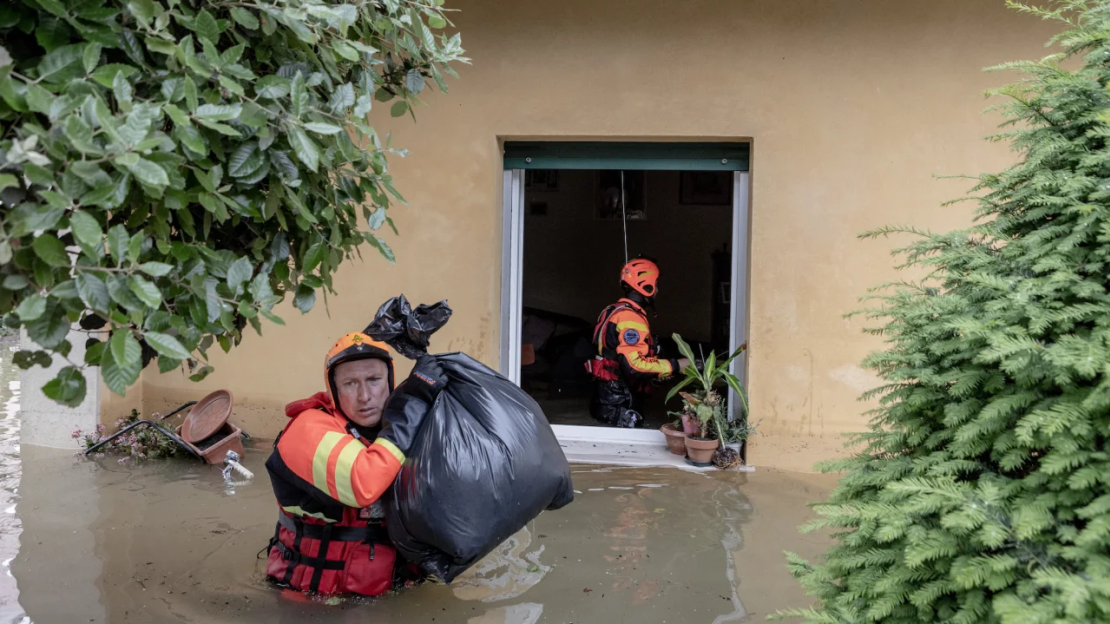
351 347
642 276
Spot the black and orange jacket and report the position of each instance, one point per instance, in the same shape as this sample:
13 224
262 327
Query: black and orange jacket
623 335
323 463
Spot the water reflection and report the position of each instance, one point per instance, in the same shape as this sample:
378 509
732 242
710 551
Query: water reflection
10 611
172 541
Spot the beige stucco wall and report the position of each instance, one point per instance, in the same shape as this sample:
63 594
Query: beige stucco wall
852 106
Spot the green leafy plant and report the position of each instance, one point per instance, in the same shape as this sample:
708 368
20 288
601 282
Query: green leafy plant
704 402
980 493
172 169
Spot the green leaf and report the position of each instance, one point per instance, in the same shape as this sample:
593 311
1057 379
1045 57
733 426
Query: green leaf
206 27
322 128
211 300
39 99
363 105
297 94
149 173
55 7
132 48
345 50
29 217
121 88
166 364
305 148
273 318
90 58
7 180
166 345
52 34
238 274
437 22
683 348
382 247
146 292
414 81
218 112
245 161
314 256
105 75
272 87
376 219
51 250
177 115
85 229
231 85
93 291
67 388
80 134
118 242
135 247
31 308
119 375
399 108
223 129
304 299
244 18
143 10
201 373
120 342
38 175
191 94
156 269
50 329
342 98
15 281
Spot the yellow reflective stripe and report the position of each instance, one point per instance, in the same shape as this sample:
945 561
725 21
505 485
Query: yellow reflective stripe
297 511
392 448
632 325
659 366
345 492
320 460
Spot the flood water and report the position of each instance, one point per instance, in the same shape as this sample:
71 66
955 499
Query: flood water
96 541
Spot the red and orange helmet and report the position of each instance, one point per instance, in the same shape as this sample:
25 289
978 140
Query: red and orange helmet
642 276
351 347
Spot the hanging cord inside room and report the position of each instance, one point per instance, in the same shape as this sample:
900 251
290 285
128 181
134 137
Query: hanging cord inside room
624 220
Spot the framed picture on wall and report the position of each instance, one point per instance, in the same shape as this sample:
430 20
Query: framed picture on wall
705 188
541 180
607 206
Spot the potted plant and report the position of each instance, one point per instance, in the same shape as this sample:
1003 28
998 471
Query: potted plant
676 437
703 408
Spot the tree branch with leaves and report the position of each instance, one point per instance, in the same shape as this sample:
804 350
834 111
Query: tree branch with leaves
171 170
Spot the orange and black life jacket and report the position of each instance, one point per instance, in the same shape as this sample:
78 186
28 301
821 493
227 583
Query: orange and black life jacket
625 346
328 477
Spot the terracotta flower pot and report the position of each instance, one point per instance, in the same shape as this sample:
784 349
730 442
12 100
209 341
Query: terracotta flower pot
700 450
676 440
690 425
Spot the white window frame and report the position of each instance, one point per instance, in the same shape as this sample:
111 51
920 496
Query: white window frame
512 269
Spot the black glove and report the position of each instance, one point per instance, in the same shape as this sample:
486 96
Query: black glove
406 408
426 380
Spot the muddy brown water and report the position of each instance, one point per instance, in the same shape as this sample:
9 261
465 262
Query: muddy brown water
97 541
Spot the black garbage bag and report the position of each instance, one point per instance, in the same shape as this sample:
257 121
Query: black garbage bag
484 464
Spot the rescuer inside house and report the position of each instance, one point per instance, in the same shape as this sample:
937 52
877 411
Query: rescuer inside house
627 359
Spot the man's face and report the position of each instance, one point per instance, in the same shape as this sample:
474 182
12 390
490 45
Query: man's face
363 387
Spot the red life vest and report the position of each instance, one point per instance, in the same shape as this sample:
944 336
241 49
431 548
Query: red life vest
320 544
350 556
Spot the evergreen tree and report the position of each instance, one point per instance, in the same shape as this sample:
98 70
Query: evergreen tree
980 492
